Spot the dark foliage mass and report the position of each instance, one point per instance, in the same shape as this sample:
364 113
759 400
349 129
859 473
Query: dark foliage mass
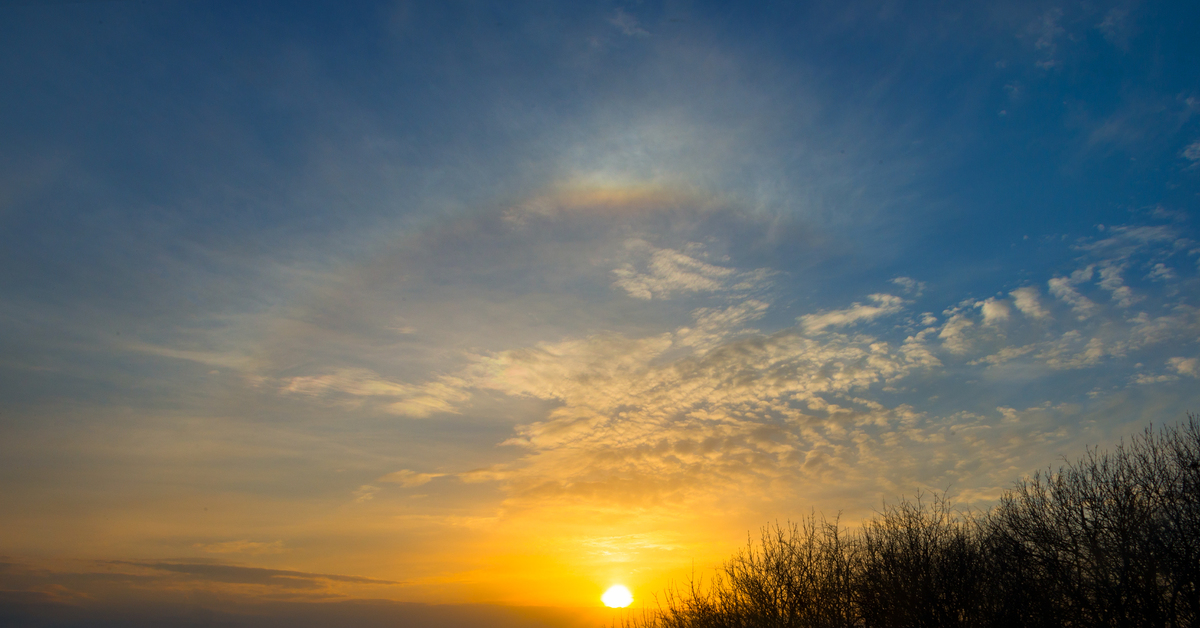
1110 540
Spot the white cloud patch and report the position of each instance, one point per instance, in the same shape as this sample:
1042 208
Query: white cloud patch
1145 379
1029 303
1185 366
994 310
884 304
954 334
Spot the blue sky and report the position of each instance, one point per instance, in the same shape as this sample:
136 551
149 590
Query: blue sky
507 302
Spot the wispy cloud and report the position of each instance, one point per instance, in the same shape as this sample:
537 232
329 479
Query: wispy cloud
408 478
885 304
1064 289
417 401
1045 32
910 285
243 546
1191 152
234 574
664 272
627 24
1110 279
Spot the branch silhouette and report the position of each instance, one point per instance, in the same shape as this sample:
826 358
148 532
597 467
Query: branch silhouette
1110 540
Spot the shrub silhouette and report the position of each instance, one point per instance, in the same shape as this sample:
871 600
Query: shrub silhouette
1110 540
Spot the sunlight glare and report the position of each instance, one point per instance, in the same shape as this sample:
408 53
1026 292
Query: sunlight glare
617 596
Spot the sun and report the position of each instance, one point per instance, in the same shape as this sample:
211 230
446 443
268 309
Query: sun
617 596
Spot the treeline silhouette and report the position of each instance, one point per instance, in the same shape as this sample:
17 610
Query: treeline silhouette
1110 540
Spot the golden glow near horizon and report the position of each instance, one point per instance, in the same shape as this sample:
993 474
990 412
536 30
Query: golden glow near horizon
617 596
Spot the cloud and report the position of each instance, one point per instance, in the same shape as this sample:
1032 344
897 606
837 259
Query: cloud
633 427
708 406
1126 240
1027 301
1110 279
365 493
417 401
208 358
249 575
493 473
1161 272
714 325
715 405
409 479
1185 366
627 24
1115 27
1046 30
244 546
234 574
1074 350
667 272
994 310
954 334
885 304
431 398
359 382
1005 354
1143 379
1064 289
1191 152
910 285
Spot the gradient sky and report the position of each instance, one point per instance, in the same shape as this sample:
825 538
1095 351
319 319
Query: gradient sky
507 302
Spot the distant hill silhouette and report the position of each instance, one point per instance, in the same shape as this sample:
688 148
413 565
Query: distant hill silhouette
1110 540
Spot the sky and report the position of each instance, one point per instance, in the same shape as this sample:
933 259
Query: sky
432 309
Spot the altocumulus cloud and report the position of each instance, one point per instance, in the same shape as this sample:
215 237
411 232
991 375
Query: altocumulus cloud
844 400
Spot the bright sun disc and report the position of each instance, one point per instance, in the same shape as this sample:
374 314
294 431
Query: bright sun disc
617 596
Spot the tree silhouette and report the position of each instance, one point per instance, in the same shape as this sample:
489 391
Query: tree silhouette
1110 540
